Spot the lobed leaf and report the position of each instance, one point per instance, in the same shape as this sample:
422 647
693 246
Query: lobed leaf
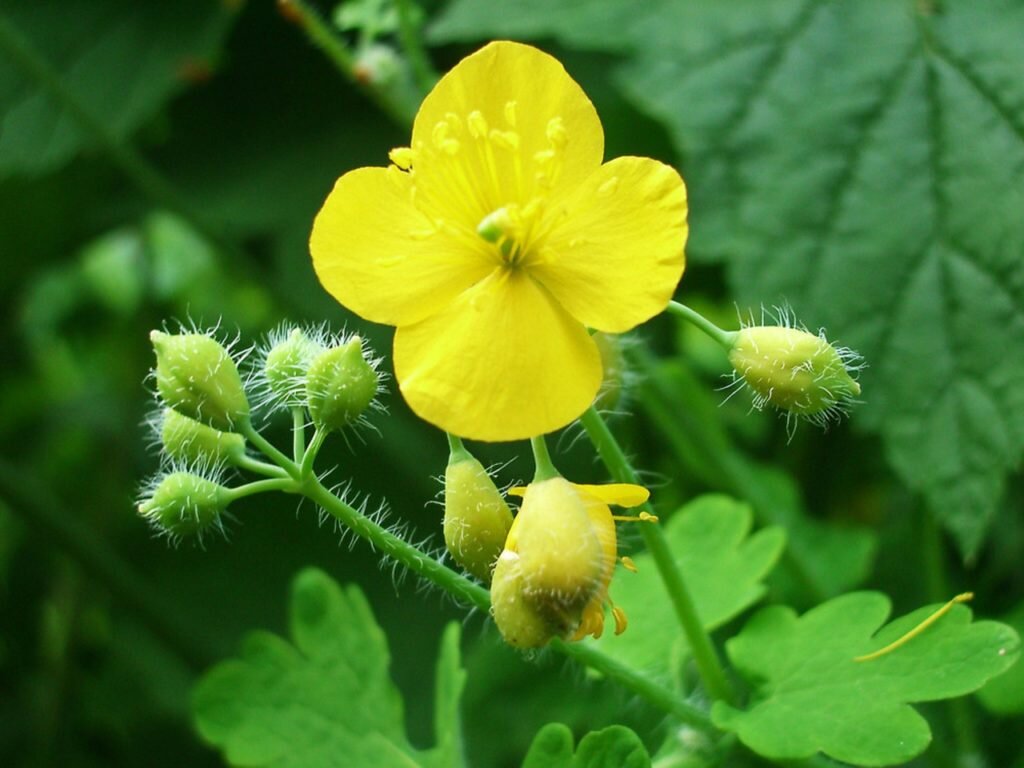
811 695
324 699
612 747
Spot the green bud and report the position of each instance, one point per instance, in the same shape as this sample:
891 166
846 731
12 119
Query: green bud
184 504
196 376
340 385
191 442
287 364
476 517
518 620
795 371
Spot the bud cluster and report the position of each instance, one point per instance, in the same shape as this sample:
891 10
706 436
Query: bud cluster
205 412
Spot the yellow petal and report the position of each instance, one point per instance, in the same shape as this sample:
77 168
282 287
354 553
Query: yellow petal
503 362
378 256
620 494
616 255
489 121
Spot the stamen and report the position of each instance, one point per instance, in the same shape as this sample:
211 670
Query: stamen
556 132
643 517
628 564
402 157
621 622
477 124
961 598
510 113
507 140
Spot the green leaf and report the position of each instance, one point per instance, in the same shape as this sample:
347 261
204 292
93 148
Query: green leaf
451 679
612 747
1004 695
722 565
120 61
810 695
877 194
325 700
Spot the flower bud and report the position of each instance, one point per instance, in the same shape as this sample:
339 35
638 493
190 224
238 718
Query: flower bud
519 622
476 517
190 442
794 370
340 385
561 556
185 504
196 376
287 364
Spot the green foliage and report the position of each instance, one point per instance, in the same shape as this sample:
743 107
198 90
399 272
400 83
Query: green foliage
802 148
810 694
613 747
327 700
722 564
1004 695
118 60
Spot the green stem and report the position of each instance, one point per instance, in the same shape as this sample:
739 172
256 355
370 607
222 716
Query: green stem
306 467
725 338
148 180
422 71
285 484
660 697
258 467
298 434
963 726
704 654
270 450
396 548
456 450
323 37
544 467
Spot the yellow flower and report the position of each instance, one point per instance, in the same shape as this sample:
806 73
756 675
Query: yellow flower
552 578
496 239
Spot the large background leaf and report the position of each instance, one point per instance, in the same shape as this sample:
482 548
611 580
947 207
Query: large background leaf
862 162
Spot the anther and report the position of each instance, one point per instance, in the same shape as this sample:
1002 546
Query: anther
510 113
477 124
402 157
556 132
628 564
508 140
621 622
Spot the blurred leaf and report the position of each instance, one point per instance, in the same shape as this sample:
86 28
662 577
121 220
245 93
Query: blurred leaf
613 747
799 150
451 678
811 695
1004 695
327 700
120 60
722 565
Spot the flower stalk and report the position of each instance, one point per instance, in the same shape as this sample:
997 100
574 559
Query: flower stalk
705 655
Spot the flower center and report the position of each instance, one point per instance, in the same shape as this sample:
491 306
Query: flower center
487 181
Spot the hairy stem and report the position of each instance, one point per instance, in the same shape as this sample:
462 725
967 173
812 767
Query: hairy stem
408 34
725 338
704 654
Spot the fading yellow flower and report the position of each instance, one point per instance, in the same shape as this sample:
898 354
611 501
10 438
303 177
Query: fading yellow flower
552 578
496 239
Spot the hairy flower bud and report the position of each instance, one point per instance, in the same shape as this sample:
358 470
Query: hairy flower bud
185 504
340 385
196 376
287 364
795 371
190 442
519 622
476 518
